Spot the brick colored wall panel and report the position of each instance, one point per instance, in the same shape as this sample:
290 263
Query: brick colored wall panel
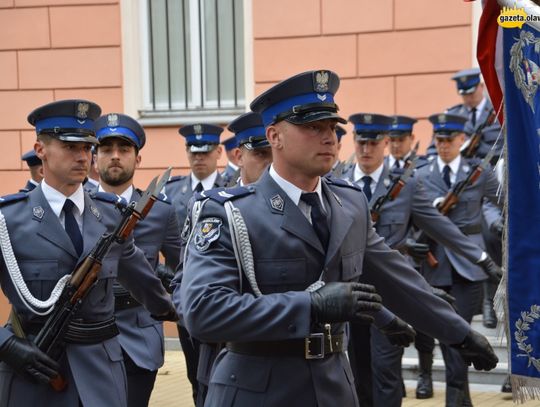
421 51
421 13
12 181
16 105
5 4
28 138
285 18
109 99
8 69
164 147
278 59
11 145
24 28
92 67
423 95
29 3
78 26
370 95
354 16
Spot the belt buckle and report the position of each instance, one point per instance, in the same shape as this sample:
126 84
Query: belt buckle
314 338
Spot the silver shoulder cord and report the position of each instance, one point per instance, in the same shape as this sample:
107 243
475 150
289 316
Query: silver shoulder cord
17 279
241 246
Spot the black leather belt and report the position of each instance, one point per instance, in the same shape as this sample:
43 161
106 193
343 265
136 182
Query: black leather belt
315 346
85 333
471 229
81 332
124 301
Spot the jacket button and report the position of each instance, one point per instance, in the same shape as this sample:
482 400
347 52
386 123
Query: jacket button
292 328
233 378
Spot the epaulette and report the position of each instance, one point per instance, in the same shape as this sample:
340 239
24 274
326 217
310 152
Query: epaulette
343 183
222 195
175 179
455 107
13 198
109 198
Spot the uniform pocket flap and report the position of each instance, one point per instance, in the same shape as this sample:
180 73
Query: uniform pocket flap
144 319
352 265
40 270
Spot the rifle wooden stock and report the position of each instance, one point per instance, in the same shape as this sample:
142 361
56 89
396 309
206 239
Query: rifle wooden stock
474 141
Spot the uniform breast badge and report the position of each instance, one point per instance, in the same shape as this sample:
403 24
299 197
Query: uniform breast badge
208 231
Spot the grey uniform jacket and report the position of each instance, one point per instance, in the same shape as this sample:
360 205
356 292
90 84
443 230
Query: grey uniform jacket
179 191
467 215
412 206
44 252
141 336
288 258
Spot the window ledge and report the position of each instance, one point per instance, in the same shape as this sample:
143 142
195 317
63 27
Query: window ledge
181 117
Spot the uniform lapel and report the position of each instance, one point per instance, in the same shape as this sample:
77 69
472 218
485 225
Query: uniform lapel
293 220
436 177
380 188
93 228
50 227
463 170
340 225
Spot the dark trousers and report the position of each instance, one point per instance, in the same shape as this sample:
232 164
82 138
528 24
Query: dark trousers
140 383
190 349
468 295
360 359
386 370
424 343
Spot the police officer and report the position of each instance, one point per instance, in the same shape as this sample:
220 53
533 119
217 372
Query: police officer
203 151
459 276
141 337
282 310
231 171
410 207
254 154
402 138
36 170
52 228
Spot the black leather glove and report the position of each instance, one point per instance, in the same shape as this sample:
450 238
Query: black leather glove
170 315
493 271
166 276
341 302
444 296
417 251
476 349
497 228
399 332
27 360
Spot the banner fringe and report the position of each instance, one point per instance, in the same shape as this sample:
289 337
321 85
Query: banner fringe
524 388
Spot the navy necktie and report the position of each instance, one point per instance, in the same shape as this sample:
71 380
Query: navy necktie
473 116
367 186
71 226
446 176
318 217
199 187
396 164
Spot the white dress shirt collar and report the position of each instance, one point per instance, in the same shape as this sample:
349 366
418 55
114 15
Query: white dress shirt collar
126 195
207 183
292 190
57 199
454 167
375 175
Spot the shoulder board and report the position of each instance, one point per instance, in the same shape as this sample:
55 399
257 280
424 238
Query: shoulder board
222 195
24 190
455 107
175 179
13 198
342 183
422 162
109 198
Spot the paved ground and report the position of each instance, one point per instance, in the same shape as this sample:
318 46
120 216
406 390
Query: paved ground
173 390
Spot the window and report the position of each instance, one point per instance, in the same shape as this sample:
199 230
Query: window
194 57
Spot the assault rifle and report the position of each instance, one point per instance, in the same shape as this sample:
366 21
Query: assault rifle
397 185
84 277
393 191
452 197
469 148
